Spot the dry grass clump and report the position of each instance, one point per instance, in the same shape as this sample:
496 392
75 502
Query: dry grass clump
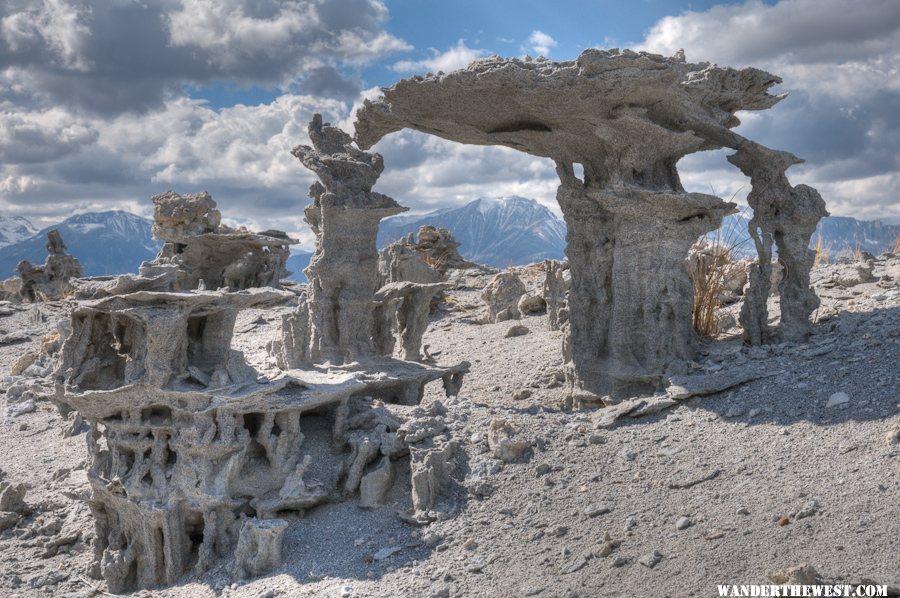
707 272
822 249
448 301
709 267
436 263
896 249
534 269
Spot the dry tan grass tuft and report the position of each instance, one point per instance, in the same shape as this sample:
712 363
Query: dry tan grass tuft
436 263
449 301
708 272
822 249
708 277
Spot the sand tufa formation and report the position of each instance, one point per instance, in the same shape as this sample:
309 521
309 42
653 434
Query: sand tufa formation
195 456
52 280
625 118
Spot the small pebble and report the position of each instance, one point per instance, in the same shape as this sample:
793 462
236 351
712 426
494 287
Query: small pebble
650 559
596 509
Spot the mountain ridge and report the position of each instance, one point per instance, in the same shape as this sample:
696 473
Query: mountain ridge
14 229
493 231
496 231
106 243
841 235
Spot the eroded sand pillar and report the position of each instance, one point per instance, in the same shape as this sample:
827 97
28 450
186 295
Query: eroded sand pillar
630 304
343 279
786 217
343 273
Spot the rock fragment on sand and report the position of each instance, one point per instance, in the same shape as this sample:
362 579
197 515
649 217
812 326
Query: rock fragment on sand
838 398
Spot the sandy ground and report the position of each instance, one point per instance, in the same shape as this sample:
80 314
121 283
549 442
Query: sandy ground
722 489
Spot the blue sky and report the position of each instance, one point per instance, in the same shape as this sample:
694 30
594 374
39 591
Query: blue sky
501 27
104 103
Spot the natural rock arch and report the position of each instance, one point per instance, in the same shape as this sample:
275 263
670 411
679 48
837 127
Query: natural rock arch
626 118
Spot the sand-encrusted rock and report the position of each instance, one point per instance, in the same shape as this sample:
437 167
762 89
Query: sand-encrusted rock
190 449
10 289
201 252
352 311
8 519
259 547
784 216
848 275
430 475
401 262
516 330
402 317
626 118
23 363
532 303
736 275
193 453
630 308
502 295
52 280
439 249
425 257
505 442
12 497
555 291
432 452
178 217
375 484
343 274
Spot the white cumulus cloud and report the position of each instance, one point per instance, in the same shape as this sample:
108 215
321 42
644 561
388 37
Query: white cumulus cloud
110 57
33 137
541 43
840 61
456 57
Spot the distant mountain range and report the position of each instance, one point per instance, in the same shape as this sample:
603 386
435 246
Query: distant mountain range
297 263
840 235
104 242
14 229
493 231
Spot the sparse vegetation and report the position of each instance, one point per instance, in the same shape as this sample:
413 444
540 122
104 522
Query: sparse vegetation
709 268
436 263
822 249
708 277
448 301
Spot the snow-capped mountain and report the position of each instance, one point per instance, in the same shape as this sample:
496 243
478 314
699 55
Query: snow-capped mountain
297 263
14 229
493 231
104 242
517 231
840 235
